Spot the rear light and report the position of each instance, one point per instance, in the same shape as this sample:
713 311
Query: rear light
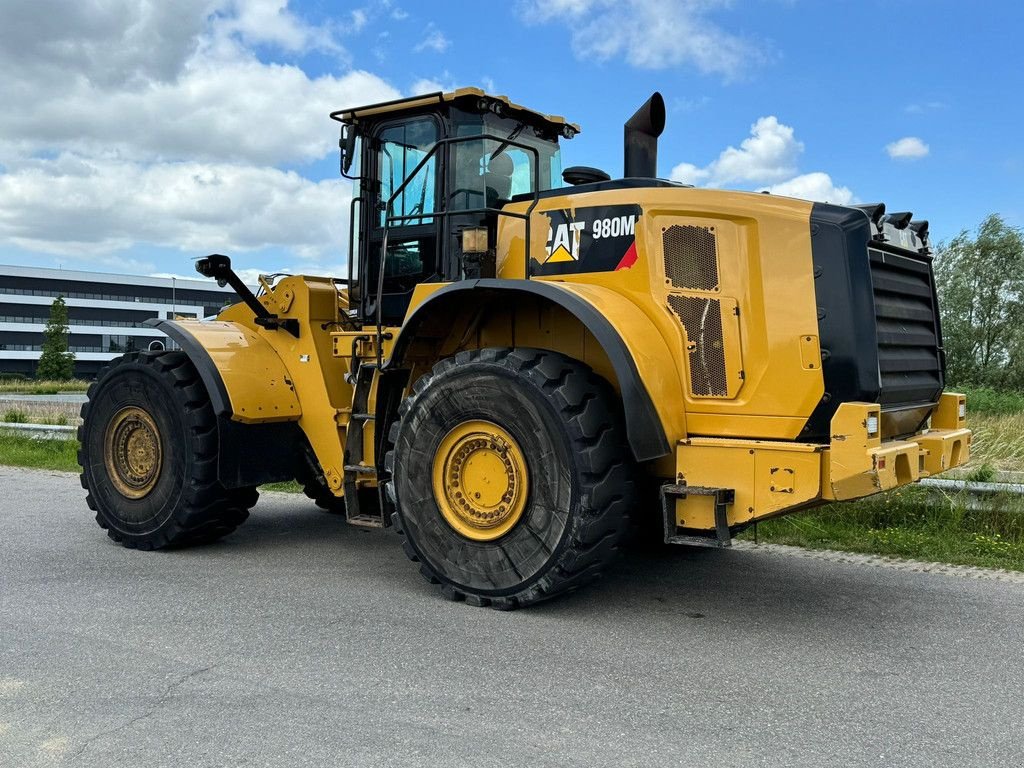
963 410
872 425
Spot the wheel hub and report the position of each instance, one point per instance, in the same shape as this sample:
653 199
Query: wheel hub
132 452
480 480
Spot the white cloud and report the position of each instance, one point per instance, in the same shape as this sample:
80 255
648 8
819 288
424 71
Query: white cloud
271 22
650 34
444 82
72 204
426 85
926 106
688 173
433 40
359 19
769 156
907 148
814 186
157 124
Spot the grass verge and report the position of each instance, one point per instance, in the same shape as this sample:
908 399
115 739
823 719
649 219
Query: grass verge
61 414
914 522
22 451
18 387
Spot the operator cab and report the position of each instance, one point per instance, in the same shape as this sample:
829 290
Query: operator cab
433 173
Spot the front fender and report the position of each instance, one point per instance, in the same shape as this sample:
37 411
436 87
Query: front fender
244 376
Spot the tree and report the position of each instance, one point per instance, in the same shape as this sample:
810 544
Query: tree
56 362
980 282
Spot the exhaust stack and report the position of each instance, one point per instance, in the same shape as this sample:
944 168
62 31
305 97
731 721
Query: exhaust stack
640 142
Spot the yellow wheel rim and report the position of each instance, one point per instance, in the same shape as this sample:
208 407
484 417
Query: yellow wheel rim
480 480
132 452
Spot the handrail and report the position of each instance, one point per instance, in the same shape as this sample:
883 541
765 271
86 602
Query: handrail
444 213
351 236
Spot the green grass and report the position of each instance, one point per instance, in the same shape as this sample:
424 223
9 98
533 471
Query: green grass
991 402
22 451
61 414
43 387
998 442
289 486
913 522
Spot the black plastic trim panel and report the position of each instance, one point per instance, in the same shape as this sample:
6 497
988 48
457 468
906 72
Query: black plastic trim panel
846 312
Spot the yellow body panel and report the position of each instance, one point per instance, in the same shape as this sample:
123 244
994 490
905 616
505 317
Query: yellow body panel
764 253
770 478
258 383
767 477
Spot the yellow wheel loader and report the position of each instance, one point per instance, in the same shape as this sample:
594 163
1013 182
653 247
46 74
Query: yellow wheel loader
523 361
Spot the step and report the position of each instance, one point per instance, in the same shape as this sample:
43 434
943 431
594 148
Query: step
366 521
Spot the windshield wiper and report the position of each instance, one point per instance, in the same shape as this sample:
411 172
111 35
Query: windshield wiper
508 140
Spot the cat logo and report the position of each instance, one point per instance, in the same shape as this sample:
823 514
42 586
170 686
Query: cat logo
564 242
598 238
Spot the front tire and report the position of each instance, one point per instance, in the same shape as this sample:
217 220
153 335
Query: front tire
149 443
510 475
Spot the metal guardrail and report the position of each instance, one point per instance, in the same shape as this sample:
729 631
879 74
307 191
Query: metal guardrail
41 431
974 488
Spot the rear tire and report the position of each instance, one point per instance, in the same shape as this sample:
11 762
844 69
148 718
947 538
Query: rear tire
549 447
149 443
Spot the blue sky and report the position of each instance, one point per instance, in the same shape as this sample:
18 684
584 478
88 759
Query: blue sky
140 134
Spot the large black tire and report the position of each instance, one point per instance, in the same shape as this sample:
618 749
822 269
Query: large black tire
568 424
186 503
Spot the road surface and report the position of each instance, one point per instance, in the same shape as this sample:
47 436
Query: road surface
301 641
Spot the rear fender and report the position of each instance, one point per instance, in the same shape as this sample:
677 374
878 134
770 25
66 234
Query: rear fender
643 365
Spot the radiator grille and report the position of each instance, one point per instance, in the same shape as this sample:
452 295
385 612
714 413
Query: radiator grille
909 352
702 319
691 257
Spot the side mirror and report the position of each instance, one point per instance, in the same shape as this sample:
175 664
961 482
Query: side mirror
348 148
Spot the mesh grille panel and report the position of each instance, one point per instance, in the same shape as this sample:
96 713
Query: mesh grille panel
691 257
702 319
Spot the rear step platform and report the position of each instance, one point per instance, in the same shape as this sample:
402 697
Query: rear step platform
723 497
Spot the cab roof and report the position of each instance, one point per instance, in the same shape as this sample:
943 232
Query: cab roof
414 102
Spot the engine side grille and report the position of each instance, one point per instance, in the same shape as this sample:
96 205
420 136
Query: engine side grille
909 349
691 257
702 319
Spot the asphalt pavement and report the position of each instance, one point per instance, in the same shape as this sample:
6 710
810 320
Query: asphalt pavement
301 641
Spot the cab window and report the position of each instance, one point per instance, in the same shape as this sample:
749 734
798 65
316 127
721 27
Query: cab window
402 148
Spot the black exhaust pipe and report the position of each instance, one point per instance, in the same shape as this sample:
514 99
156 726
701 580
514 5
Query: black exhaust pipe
640 143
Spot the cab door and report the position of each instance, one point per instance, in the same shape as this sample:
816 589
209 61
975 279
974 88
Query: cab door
413 235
